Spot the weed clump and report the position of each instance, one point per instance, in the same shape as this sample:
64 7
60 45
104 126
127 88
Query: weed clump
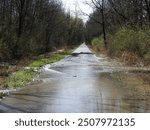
20 78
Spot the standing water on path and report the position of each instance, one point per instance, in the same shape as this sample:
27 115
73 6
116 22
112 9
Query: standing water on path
84 83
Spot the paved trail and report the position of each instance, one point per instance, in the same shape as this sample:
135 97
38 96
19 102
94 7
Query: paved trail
81 83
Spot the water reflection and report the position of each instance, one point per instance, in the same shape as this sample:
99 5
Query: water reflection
82 83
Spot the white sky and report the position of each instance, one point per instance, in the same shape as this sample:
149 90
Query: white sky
77 6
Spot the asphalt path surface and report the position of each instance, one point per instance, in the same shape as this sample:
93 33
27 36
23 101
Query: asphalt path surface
80 83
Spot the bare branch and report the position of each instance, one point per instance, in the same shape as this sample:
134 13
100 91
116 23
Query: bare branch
113 7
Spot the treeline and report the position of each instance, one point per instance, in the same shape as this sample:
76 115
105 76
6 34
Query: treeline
31 27
122 25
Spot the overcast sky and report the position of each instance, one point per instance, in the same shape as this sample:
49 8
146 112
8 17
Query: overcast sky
77 6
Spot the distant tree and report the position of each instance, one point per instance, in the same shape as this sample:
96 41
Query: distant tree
100 7
30 27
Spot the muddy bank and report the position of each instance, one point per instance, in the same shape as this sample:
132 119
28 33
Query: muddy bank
127 58
129 62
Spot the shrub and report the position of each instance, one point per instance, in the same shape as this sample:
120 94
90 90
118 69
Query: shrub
136 41
98 42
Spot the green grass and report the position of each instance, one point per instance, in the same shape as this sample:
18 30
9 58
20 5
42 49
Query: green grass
42 62
20 78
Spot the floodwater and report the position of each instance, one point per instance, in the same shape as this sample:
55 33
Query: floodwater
82 83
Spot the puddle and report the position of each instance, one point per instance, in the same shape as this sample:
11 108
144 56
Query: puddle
83 83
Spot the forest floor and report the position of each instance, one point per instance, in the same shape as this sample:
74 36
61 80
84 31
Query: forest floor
127 58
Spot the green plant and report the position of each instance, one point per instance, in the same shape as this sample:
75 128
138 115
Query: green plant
131 40
98 42
41 62
20 78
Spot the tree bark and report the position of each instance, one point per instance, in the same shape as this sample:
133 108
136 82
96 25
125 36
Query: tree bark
148 9
103 24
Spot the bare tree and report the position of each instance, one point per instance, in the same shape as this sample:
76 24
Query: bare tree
29 27
100 6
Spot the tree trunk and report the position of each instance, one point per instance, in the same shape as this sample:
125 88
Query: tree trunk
148 9
21 18
103 24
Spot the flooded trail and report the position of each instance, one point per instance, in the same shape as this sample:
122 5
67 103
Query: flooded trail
80 83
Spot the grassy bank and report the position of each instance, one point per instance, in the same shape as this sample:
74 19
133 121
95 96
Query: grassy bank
20 78
24 76
130 45
44 61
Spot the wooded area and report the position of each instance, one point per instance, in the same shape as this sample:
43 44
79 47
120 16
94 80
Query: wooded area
32 27
113 14
123 25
